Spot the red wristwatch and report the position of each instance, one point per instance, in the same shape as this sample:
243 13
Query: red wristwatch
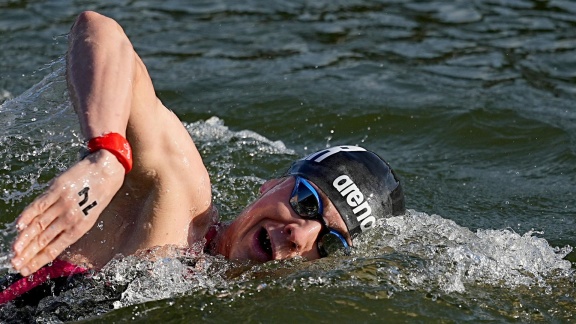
115 144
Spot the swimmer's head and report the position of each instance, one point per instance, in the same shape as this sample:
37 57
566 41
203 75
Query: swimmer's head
360 184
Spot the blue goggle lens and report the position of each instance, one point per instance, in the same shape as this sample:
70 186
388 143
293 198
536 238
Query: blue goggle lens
306 202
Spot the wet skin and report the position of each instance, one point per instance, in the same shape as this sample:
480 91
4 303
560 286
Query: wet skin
269 229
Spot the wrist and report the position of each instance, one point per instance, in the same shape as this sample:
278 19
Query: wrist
107 163
117 145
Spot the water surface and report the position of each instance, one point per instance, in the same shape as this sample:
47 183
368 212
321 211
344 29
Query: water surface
472 102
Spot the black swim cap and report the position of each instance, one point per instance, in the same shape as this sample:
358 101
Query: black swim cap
361 185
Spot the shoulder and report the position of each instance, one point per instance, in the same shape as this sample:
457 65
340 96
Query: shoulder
168 166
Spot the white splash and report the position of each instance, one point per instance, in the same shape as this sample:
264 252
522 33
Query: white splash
455 255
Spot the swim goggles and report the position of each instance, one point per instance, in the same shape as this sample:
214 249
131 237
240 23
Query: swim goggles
306 202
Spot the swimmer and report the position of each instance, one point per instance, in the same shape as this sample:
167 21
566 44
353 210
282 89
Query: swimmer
144 180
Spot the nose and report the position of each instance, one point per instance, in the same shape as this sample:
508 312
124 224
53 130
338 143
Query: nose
302 237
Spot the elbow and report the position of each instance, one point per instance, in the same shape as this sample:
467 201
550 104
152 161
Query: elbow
87 16
93 24
93 32
86 19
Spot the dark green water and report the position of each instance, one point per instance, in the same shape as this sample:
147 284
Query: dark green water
472 102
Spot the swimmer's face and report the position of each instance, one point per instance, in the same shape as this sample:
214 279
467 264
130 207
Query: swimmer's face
270 229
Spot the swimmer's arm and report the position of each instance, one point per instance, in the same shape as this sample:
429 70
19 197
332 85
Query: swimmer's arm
112 92
100 72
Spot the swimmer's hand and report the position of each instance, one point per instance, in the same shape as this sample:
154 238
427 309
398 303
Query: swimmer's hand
66 211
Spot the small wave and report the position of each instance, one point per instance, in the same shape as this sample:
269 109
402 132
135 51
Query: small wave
456 256
213 131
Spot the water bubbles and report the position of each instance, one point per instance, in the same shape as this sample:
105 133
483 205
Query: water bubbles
456 257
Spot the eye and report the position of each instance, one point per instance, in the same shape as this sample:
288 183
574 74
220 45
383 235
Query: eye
308 205
330 244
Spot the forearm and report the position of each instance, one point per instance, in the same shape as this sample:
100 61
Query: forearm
100 73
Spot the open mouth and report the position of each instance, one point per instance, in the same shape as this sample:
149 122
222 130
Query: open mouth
265 244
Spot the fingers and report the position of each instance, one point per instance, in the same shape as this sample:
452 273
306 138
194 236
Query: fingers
35 227
46 255
39 231
44 247
37 207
